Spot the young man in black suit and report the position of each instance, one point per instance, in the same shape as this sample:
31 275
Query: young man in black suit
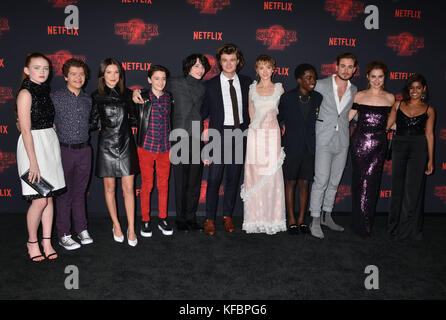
226 106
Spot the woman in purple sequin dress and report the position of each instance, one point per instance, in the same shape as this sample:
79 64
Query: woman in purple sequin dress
368 146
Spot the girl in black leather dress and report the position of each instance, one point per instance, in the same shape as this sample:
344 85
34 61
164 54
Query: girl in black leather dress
116 154
412 159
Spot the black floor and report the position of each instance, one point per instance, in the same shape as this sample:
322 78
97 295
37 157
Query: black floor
228 266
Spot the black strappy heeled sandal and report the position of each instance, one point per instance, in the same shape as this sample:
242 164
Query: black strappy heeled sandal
50 255
34 259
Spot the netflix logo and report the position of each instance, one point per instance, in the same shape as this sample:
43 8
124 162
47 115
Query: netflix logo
205 35
5 193
5 94
276 37
385 194
412 14
4 26
136 66
3 129
59 30
209 6
282 71
136 31
278 6
400 75
342 42
2 62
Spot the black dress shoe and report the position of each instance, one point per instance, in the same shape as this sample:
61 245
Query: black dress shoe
194 226
182 226
293 229
303 228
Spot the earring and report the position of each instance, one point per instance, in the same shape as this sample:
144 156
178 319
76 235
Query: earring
423 96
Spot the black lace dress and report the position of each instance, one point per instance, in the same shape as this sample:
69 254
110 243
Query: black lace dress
409 160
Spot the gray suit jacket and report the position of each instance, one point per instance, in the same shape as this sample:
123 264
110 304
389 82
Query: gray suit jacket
328 118
188 95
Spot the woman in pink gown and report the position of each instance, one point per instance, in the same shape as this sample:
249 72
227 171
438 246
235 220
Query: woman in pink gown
263 188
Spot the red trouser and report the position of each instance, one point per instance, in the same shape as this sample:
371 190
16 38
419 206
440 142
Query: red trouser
146 163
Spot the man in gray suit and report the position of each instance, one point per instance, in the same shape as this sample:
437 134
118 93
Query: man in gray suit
332 140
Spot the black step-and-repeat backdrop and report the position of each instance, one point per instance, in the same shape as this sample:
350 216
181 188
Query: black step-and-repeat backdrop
407 35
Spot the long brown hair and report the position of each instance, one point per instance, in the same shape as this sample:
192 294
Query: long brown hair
101 81
28 59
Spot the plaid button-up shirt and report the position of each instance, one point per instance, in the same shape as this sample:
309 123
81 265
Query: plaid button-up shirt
157 135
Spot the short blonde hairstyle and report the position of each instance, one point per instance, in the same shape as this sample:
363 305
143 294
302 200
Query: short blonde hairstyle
263 58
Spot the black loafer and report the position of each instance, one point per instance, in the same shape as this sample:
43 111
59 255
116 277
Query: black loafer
293 229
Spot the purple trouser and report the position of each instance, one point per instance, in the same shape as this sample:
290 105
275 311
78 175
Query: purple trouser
76 166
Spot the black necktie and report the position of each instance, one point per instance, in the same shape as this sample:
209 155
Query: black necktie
234 104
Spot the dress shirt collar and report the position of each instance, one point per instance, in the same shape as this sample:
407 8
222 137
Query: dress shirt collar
224 79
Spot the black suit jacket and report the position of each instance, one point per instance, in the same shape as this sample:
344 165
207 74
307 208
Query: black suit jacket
298 131
213 102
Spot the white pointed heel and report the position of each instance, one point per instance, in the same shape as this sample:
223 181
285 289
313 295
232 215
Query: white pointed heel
117 239
131 243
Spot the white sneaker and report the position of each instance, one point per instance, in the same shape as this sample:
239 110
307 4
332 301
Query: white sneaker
84 237
69 243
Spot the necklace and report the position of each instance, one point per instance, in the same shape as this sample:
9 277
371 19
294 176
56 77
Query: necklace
304 102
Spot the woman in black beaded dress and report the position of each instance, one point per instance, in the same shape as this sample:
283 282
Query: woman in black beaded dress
368 146
412 159
38 150
116 154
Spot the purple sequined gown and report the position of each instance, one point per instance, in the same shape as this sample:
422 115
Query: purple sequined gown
368 148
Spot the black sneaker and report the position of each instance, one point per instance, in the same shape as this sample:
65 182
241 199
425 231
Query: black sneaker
165 227
146 229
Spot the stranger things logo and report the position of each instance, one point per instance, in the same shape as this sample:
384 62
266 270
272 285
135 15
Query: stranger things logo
204 185
443 135
214 70
209 6
58 59
344 191
5 94
62 3
7 159
276 37
330 68
405 44
4 26
387 167
344 10
440 192
136 31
